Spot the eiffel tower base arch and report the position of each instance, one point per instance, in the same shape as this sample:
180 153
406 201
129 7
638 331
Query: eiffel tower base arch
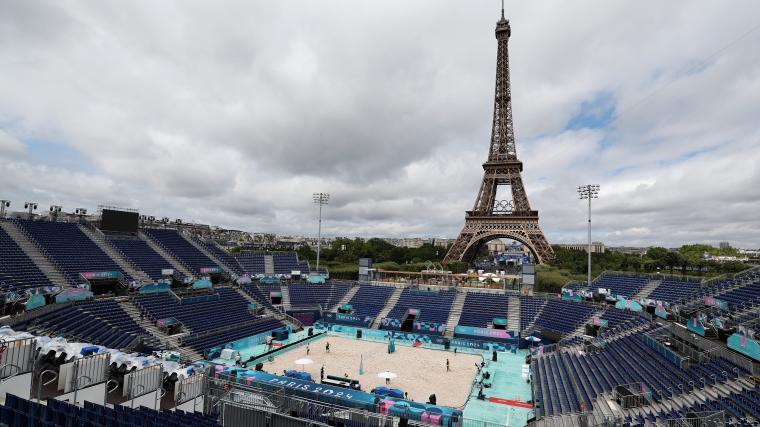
478 231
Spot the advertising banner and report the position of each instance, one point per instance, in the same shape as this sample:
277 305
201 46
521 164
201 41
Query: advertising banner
430 327
498 334
659 310
100 275
348 319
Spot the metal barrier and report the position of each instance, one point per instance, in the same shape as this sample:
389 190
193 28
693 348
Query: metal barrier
273 401
143 381
17 357
712 349
701 419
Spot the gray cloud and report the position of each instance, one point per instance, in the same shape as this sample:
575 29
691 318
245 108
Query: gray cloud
234 113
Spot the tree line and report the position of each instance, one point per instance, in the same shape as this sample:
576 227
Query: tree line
686 260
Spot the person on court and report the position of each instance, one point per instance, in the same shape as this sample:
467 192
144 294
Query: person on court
327 347
307 349
447 366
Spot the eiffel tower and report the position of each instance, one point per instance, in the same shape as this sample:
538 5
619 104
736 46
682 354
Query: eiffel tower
492 218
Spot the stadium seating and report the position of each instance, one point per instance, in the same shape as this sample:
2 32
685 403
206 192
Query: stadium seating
17 271
562 316
176 245
251 262
742 295
230 309
220 254
142 256
529 309
21 412
260 293
204 343
622 318
284 263
671 290
626 360
369 300
480 308
627 286
434 307
326 295
69 249
100 322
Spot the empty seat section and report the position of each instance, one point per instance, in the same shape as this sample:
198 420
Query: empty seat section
672 290
230 309
100 322
21 412
220 254
326 295
215 339
480 308
68 248
564 317
176 245
17 271
142 256
627 286
369 300
252 262
434 306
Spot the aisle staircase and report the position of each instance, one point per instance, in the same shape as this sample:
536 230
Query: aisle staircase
285 297
175 263
392 300
648 289
538 314
208 254
292 321
33 252
455 313
347 297
581 329
99 239
513 314
268 265
161 340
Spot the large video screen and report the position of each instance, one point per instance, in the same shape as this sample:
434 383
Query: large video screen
119 221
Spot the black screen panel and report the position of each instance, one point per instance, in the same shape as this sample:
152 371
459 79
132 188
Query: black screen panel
119 221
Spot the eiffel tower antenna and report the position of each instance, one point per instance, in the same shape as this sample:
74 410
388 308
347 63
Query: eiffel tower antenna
492 218
502 9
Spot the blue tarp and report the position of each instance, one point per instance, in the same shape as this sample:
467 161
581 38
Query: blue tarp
202 284
35 301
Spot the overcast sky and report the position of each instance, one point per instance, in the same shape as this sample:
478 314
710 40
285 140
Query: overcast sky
234 113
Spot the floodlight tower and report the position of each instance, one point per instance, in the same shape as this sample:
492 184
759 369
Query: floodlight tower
4 204
588 192
30 206
320 199
54 211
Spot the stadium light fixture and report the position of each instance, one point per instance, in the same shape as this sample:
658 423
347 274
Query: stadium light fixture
30 206
55 210
320 199
588 192
4 204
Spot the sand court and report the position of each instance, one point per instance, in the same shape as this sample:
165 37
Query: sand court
421 372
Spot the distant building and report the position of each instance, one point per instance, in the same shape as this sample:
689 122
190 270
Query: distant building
724 245
596 247
417 242
724 258
629 250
